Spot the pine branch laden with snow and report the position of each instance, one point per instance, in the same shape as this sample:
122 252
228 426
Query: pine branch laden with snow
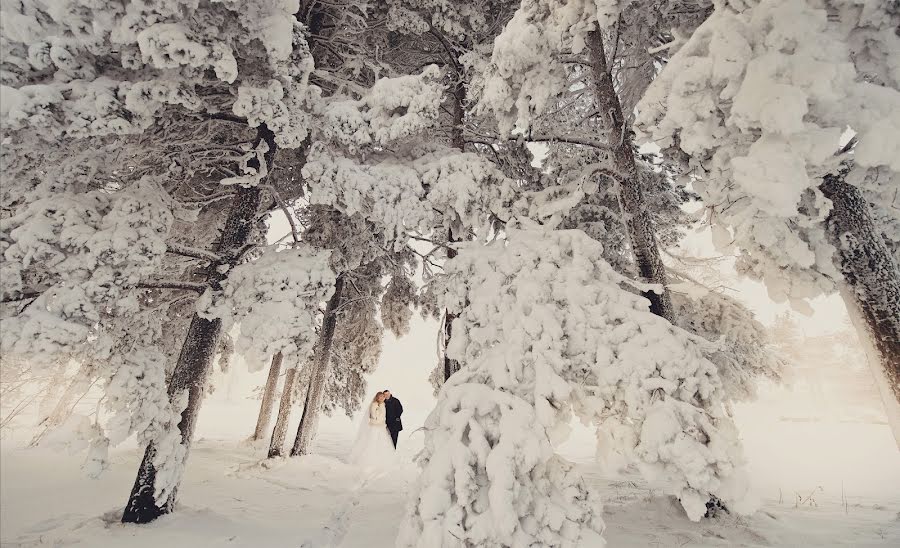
387 193
83 255
469 190
759 161
544 332
393 109
288 285
742 350
763 166
76 71
526 71
396 304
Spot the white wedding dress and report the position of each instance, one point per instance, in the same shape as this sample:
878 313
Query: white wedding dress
373 449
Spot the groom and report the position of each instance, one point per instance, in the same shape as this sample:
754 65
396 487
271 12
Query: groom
392 411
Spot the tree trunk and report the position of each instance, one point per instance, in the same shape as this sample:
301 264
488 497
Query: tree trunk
450 366
268 399
313 405
872 293
624 171
276 445
458 141
195 360
190 374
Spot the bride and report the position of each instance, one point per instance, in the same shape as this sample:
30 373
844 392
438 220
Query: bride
373 447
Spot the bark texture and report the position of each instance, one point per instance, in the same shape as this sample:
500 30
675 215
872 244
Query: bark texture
872 277
623 170
268 398
202 339
313 405
457 139
276 445
450 366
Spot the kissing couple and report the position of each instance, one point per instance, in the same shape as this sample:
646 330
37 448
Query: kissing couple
376 442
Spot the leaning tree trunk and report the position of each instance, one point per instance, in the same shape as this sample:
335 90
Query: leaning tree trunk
624 171
195 360
268 399
276 445
872 292
310 418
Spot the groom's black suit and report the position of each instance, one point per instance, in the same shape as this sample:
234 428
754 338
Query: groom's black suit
392 411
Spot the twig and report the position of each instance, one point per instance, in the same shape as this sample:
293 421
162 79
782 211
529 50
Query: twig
284 209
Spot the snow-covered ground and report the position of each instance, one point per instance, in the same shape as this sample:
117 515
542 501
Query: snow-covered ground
232 497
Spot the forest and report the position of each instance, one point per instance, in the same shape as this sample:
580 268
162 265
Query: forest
289 186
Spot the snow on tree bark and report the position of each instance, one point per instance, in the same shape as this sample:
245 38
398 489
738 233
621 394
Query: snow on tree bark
268 398
194 361
190 375
623 171
313 405
873 280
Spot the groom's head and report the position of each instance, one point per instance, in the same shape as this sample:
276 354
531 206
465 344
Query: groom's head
387 394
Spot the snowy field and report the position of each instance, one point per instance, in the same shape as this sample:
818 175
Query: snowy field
231 497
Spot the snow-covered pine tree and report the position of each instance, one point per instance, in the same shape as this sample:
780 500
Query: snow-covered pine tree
547 334
105 72
815 221
528 69
452 36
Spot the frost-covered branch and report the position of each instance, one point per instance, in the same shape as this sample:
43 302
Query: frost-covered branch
172 284
186 251
582 140
295 234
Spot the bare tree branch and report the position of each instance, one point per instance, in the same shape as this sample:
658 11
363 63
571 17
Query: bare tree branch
172 284
544 138
287 213
179 249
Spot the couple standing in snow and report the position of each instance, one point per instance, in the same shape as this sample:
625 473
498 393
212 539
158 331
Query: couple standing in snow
377 439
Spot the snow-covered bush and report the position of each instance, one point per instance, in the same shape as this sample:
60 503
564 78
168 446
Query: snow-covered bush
544 331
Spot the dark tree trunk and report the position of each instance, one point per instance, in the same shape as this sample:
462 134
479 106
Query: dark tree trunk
194 361
450 366
276 445
190 374
458 141
268 399
624 171
872 294
311 409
